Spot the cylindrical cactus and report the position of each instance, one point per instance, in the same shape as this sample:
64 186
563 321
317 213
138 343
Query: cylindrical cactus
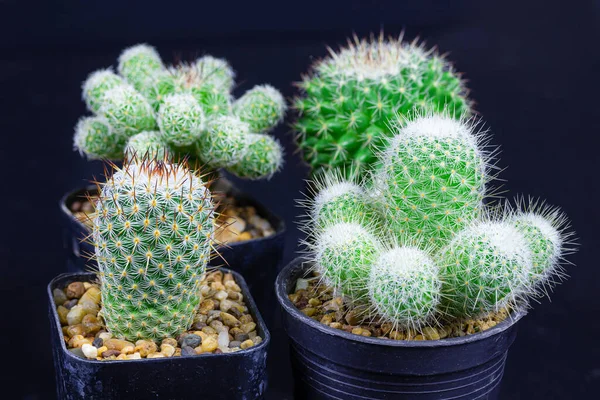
343 254
188 104
350 96
433 175
405 287
487 266
152 233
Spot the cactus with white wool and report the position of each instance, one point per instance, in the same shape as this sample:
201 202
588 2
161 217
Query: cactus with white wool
191 108
153 233
416 245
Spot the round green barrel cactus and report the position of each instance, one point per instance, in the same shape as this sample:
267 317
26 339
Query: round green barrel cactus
405 287
433 175
486 267
343 254
349 97
152 233
186 105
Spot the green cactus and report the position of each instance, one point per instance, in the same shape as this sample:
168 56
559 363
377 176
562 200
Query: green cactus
148 145
343 255
405 287
486 267
262 159
349 97
546 232
153 233
433 178
95 137
337 199
138 63
262 108
186 105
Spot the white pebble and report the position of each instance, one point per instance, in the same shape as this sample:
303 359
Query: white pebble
105 335
89 351
221 295
223 340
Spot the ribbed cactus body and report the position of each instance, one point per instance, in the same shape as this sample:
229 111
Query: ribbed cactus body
487 266
95 137
152 234
404 287
433 178
148 145
138 63
348 100
344 254
96 85
185 104
127 111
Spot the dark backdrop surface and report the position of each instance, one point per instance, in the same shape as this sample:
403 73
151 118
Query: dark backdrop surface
532 67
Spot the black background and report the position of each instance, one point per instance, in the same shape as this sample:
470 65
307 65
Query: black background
532 67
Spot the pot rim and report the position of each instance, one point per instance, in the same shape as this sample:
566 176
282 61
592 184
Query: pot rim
248 299
279 226
299 264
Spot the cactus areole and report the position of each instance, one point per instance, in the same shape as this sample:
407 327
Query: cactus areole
153 233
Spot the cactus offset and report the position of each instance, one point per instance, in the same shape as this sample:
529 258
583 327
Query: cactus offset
404 287
350 96
148 145
187 104
153 233
487 266
95 137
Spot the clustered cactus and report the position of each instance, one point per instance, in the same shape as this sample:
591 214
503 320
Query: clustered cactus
172 113
415 244
153 234
349 97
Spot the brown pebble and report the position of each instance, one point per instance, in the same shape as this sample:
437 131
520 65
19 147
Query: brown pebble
170 341
91 324
117 344
74 330
62 314
109 353
206 306
145 347
75 290
248 343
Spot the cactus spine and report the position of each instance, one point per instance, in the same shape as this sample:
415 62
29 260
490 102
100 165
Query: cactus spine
186 105
349 97
152 233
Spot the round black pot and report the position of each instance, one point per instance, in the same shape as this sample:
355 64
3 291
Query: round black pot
334 364
239 375
257 259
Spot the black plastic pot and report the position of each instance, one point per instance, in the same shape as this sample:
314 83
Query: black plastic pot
239 375
257 259
334 364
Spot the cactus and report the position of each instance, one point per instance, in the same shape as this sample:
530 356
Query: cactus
546 232
404 287
153 233
484 268
343 255
186 104
147 145
349 97
95 137
337 199
432 177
